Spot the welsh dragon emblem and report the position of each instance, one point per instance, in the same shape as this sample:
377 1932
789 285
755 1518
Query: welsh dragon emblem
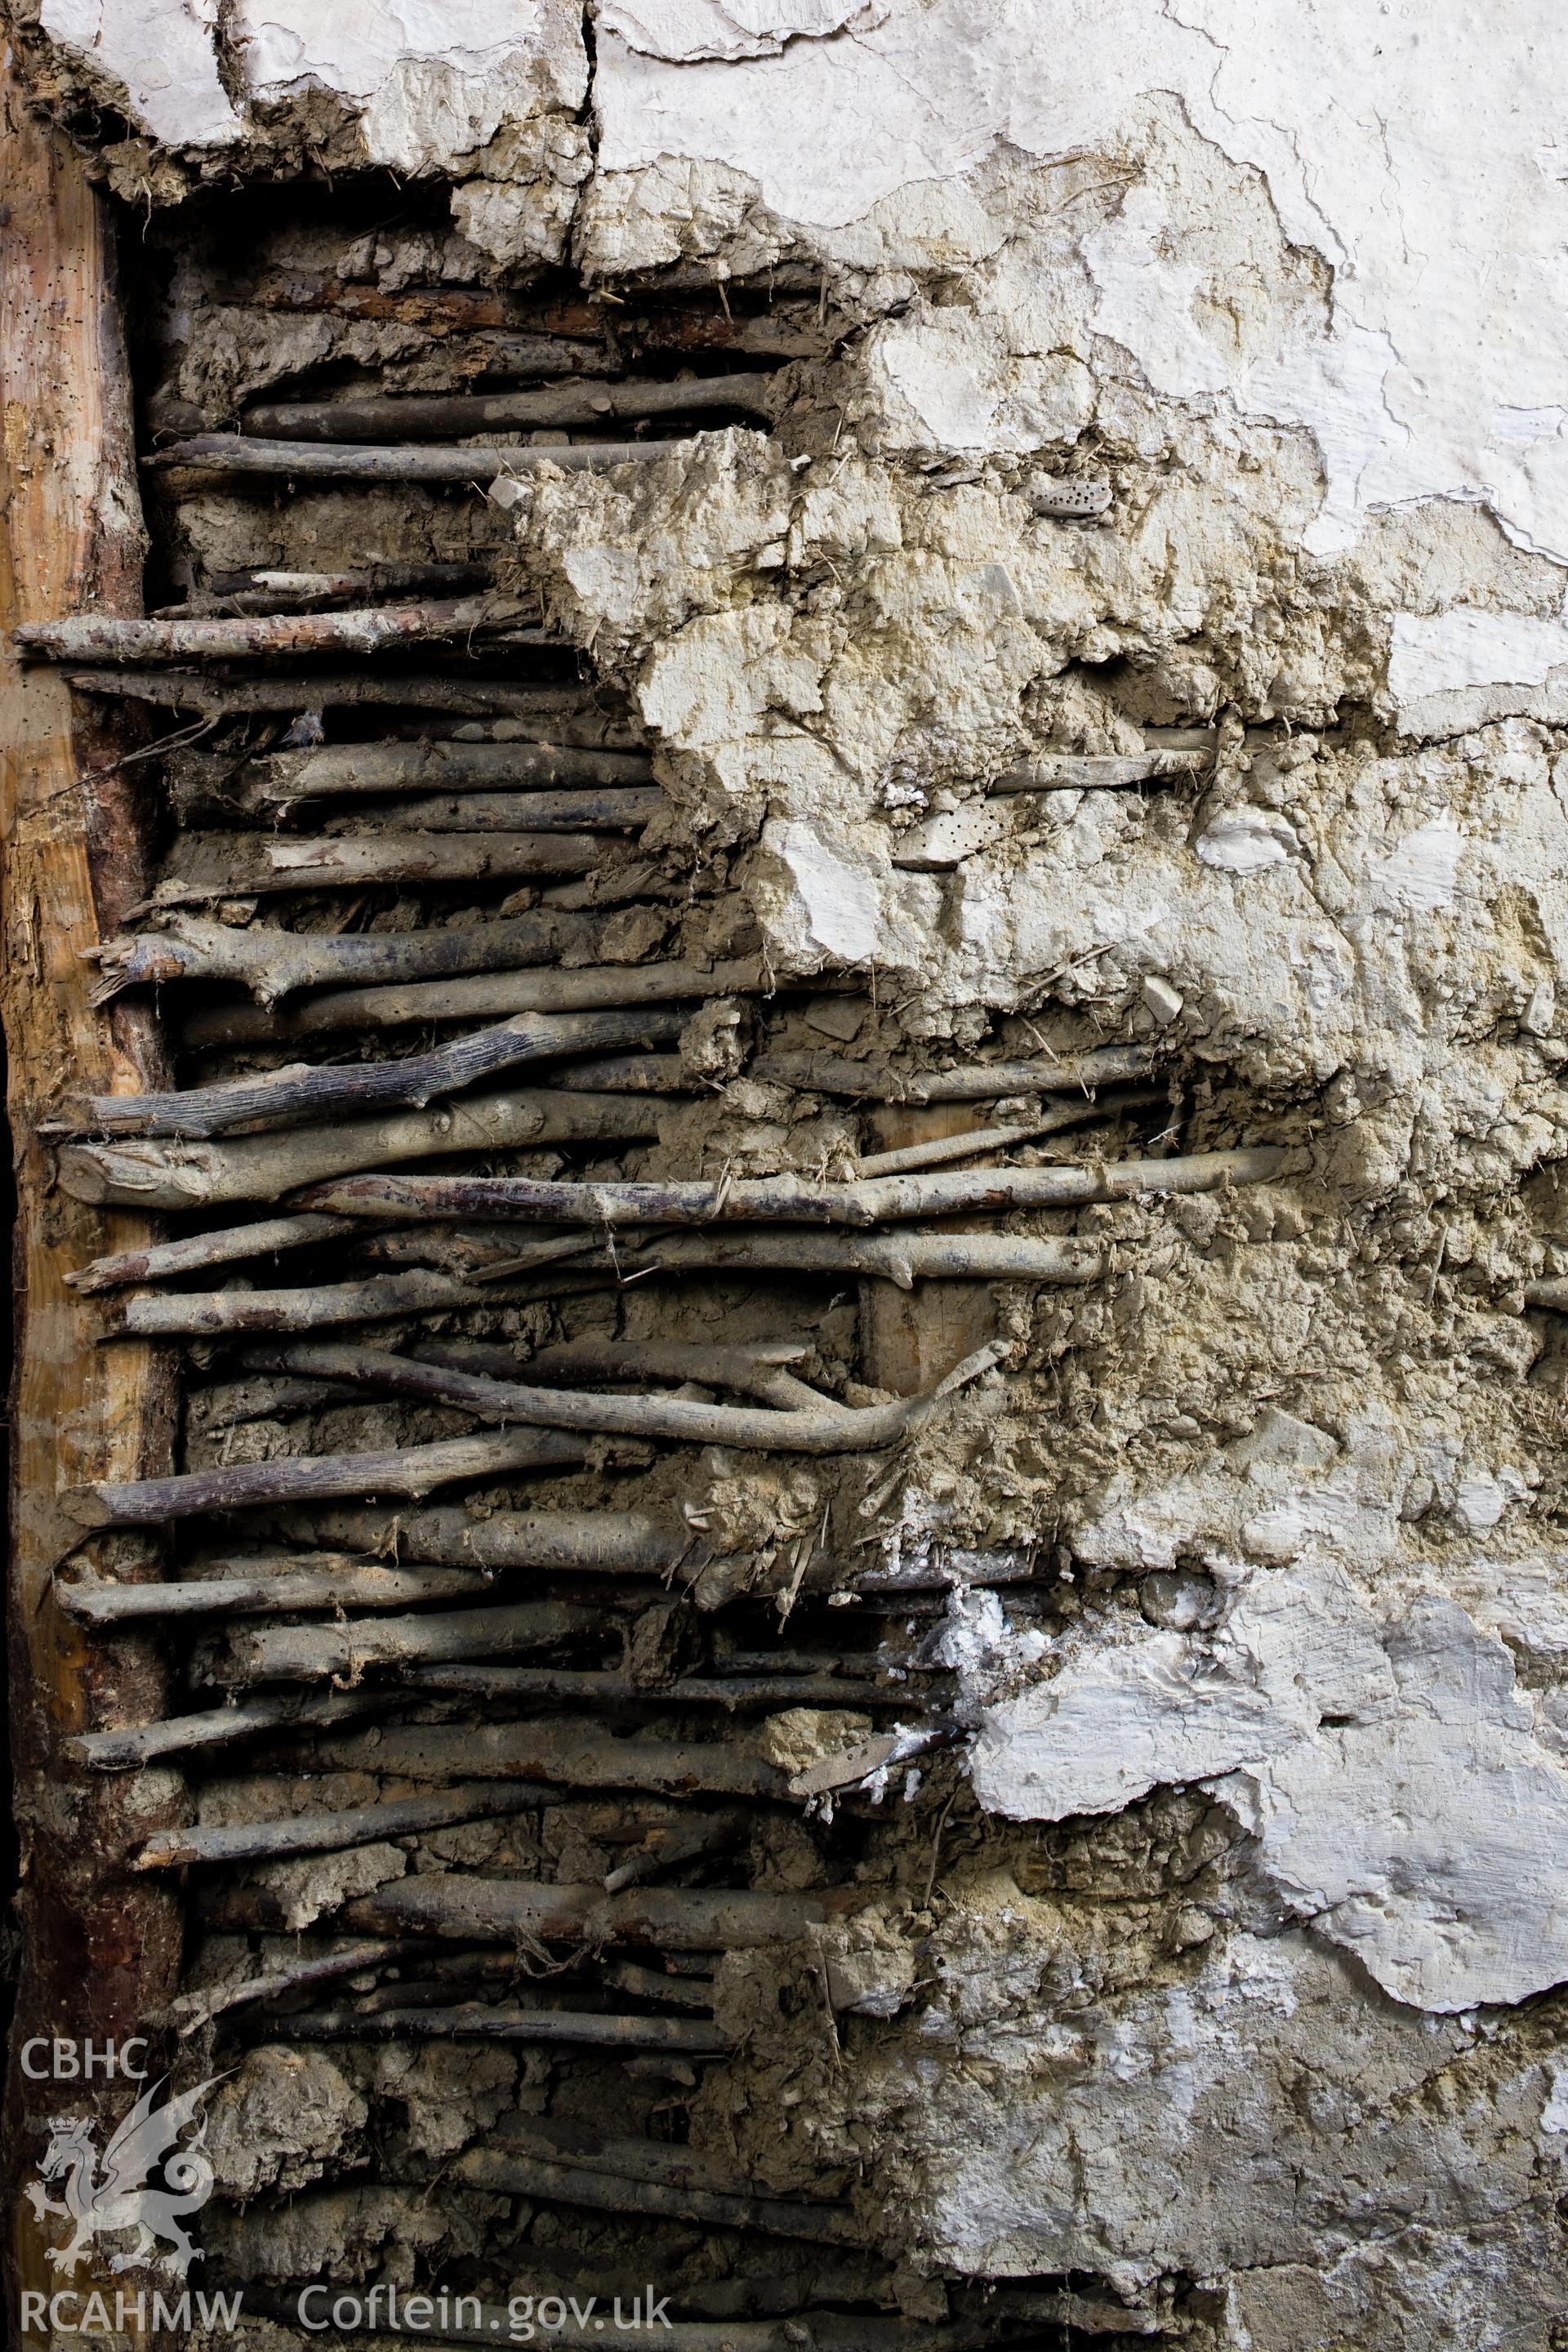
143 2186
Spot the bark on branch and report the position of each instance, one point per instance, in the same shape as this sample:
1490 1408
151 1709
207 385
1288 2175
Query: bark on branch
274 1587
485 996
248 866
413 1470
556 1754
151 1175
219 456
828 1074
595 1543
352 769
273 963
798 1199
329 1832
96 637
682 2037
824 1428
219 698
125 1751
308 1093
409 417
344 1649
508 1910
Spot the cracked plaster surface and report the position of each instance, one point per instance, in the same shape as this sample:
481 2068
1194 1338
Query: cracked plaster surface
1286 2020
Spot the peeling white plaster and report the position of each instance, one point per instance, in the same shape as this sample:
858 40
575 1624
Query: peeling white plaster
434 78
161 54
1400 144
1393 1778
682 30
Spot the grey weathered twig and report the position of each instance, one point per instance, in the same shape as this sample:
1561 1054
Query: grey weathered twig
571 1755
273 963
940 1150
485 996
754 1367
1054 771
378 1298
305 1092
671 1843
904 1257
676 1919
737 1693
219 456
192 2011
347 1645
404 416
828 1074
597 1543
151 1175
824 1428
495 2169
261 591
206 865
161 1259
413 1470
568 2029
123 1750
352 769
276 1585
329 1832
189 690
798 1199
99 637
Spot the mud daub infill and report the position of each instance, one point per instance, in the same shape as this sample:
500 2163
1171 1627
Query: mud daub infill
557 1737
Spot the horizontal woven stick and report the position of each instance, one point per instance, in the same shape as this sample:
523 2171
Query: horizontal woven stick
560 1753
261 591
828 1074
349 769
670 1844
96 637
738 1694
125 1749
176 690
221 455
797 1199
940 1150
569 2029
598 1543
273 963
1055 771
484 996
493 2169
329 1832
453 415
752 1368
276 1586
161 1259
565 1755
413 1470
823 1428
343 1649
587 808
676 1919
303 1092
192 2011
378 1298
903 1258
248 865
151 1175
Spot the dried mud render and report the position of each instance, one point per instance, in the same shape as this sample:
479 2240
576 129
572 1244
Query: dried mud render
1237 1988
1287 2037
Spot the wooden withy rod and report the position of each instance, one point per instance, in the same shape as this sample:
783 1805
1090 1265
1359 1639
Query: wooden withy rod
305 1093
410 416
101 637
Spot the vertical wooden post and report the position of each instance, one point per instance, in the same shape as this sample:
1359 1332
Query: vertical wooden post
101 1950
909 1339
